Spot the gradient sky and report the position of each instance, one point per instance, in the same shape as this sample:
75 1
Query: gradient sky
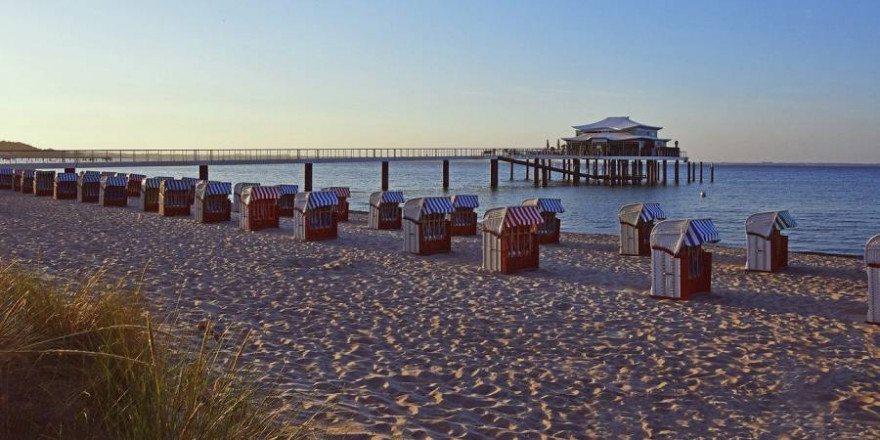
732 81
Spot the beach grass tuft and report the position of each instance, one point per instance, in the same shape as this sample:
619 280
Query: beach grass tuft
87 360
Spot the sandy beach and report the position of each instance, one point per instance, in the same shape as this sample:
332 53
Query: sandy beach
391 345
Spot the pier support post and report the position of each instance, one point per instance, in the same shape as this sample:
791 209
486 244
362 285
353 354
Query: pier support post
545 175
535 173
701 172
712 172
384 175
577 172
676 172
511 170
446 174
203 172
665 170
307 175
527 169
688 165
493 173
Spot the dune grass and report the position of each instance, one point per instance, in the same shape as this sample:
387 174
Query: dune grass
86 360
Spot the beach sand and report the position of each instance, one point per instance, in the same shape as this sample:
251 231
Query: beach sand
386 344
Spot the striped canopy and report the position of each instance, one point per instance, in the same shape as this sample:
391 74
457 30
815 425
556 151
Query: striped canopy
465 201
6 172
66 177
546 205
672 235
315 199
341 191
763 223
42 173
136 177
122 175
89 172
28 173
208 188
256 193
239 187
377 198
640 212
175 185
107 174
90 178
108 181
152 182
498 219
414 209
288 189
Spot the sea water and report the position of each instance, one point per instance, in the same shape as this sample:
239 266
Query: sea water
837 207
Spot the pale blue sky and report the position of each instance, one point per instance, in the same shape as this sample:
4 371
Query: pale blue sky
741 81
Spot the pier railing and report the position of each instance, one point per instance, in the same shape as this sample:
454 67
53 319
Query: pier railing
152 157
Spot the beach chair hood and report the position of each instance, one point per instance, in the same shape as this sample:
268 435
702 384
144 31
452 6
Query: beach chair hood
314 199
763 223
414 209
872 252
380 197
341 191
470 201
546 205
672 235
256 193
208 188
496 220
641 212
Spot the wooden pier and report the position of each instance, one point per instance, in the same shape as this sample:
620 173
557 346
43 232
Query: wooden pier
540 164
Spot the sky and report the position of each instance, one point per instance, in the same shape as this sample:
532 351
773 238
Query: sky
746 81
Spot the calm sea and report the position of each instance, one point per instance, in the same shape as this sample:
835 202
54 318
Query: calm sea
837 207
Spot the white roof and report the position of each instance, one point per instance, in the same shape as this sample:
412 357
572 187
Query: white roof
633 213
611 137
614 123
872 251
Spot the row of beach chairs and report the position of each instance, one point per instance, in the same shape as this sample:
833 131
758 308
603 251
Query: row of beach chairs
681 268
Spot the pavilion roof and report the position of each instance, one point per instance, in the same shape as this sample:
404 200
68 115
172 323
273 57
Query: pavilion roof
614 123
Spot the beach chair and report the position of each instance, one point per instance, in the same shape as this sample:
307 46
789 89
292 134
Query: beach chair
16 179
44 183
134 184
174 197
149 200
636 223
287 195
114 191
680 267
88 187
343 193
548 232
259 208
385 212
65 187
872 262
7 178
766 246
510 240
236 194
212 202
27 181
314 216
463 221
426 225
